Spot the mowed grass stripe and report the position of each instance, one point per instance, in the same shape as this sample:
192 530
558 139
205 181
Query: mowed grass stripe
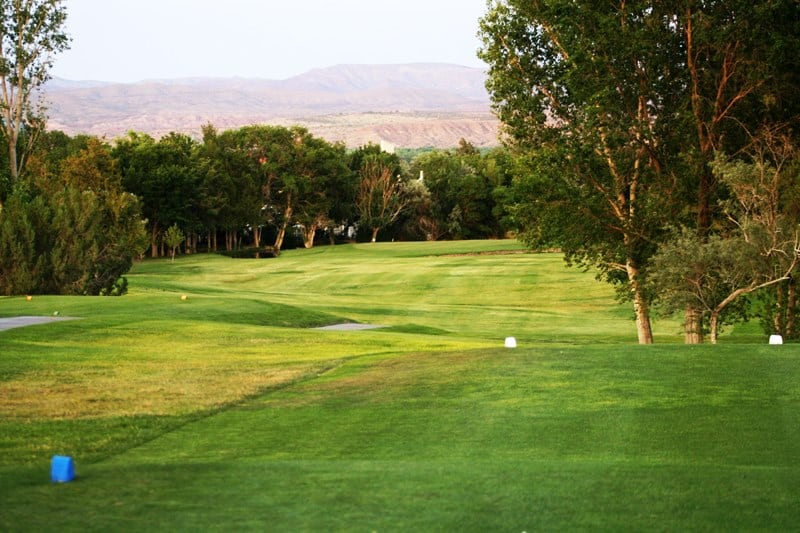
531 439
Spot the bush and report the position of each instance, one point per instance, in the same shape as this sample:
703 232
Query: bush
69 242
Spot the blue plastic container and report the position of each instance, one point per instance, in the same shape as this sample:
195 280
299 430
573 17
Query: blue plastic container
62 469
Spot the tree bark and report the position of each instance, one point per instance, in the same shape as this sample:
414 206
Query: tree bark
791 305
279 238
154 241
714 325
644 329
375 234
287 216
693 326
308 236
779 314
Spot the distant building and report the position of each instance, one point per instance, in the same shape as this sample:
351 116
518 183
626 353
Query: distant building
388 147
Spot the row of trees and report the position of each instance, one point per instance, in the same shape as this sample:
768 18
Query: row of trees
256 184
661 146
75 212
250 186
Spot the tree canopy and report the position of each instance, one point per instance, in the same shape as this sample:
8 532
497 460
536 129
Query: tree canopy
621 109
31 34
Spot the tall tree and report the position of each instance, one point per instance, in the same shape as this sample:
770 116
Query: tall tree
327 178
31 34
237 180
461 184
740 71
163 174
74 231
381 196
589 87
625 105
755 246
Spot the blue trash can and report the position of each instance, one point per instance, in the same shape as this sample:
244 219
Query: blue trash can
62 469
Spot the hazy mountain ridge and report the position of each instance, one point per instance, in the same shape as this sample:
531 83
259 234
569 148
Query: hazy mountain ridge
409 105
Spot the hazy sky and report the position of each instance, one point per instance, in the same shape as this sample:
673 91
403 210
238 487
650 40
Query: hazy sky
131 40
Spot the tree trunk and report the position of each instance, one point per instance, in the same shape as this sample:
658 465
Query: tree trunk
308 236
256 236
693 326
279 237
287 216
154 242
644 328
779 313
714 326
375 234
791 305
13 165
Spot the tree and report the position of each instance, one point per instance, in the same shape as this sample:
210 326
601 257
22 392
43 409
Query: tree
708 275
461 185
75 231
625 106
326 179
737 77
24 265
174 237
381 196
31 33
417 222
588 88
164 175
236 181
754 247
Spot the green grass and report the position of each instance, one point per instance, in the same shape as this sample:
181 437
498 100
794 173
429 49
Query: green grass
225 412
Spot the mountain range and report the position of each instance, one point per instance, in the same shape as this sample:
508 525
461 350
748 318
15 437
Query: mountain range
408 105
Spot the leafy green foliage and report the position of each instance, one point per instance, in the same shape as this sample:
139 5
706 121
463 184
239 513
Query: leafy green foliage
23 266
163 175
622 108
461 186
173 238
31 34
75 232
757 248
587 89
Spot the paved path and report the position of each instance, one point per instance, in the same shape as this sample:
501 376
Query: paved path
20 321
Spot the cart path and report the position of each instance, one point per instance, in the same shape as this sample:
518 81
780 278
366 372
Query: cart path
20 321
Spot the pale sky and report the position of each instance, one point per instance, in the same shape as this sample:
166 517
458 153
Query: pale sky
132 40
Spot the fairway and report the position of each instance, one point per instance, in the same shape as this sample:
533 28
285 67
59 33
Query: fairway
208 399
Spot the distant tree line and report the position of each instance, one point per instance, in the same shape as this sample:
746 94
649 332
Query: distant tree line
84 208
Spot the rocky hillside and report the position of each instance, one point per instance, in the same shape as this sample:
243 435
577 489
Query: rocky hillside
408 105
